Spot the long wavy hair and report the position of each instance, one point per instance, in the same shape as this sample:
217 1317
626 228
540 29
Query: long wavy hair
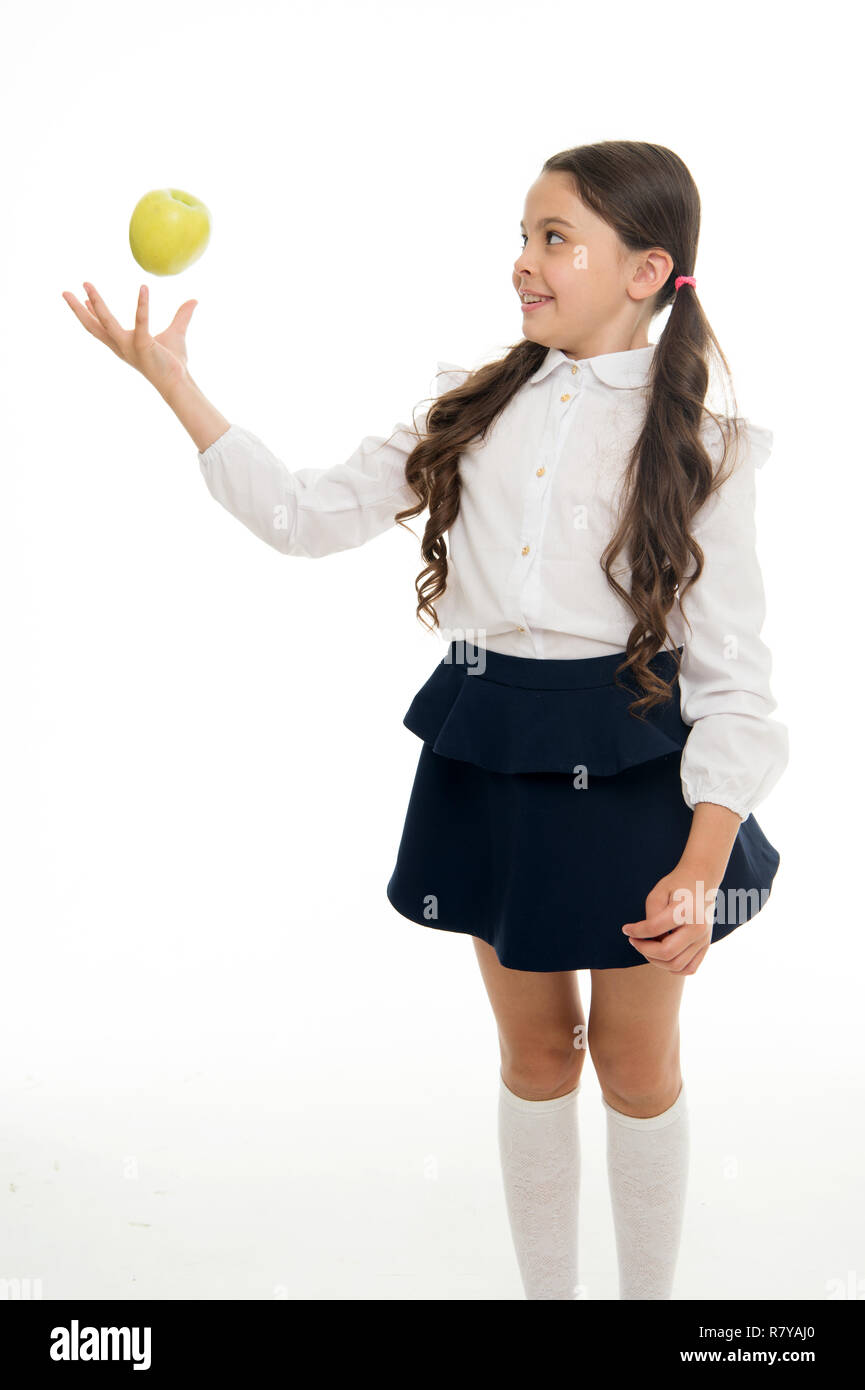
646 194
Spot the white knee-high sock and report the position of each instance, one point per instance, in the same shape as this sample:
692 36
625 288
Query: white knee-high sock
647 1164
539 1146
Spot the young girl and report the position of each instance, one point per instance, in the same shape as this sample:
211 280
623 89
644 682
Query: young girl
597 734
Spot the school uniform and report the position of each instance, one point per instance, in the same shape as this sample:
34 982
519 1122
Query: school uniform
542 813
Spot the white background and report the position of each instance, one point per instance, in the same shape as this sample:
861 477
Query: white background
229 1068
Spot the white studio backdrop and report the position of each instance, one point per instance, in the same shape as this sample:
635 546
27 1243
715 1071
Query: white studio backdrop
229 1068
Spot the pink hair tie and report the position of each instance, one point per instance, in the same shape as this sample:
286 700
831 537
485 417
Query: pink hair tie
685 280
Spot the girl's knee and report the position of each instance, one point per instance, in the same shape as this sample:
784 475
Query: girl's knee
541 1072
637 1080
639 1090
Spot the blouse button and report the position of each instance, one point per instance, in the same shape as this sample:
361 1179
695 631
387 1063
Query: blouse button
540 471
525 550
520 629
574 371
565 397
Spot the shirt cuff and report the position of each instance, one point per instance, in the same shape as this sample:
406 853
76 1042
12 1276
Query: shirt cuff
718 799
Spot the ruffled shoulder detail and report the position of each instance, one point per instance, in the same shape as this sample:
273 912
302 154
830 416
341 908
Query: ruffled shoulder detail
464 714
761 442
448 375
755 441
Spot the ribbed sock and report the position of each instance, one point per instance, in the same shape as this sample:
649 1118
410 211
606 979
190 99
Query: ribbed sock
539 1147
647 1164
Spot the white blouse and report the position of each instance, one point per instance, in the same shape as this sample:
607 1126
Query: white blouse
537 507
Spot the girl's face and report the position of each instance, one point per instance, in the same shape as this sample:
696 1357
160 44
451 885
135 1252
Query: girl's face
597 293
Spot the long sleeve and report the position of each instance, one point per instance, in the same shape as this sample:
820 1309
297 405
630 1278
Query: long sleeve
314 511
735 752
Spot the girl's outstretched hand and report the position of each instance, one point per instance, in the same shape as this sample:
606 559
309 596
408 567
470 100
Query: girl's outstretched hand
162 360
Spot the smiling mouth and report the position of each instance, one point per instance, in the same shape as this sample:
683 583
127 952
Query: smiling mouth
534 306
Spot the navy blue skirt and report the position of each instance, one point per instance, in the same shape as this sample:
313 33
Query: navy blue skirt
542 813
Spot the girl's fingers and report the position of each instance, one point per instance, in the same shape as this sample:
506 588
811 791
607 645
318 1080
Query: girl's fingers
694 965
91 323
686 961
100 309
140 332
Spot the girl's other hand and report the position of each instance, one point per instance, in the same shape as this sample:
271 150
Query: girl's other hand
162 360
676 932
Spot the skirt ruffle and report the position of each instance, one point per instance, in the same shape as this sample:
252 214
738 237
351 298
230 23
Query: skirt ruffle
563 720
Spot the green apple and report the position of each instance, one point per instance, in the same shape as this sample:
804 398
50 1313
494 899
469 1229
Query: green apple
168 231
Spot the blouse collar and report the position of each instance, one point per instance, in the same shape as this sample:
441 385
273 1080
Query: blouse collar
628 369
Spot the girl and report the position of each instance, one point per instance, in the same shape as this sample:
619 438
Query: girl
597 735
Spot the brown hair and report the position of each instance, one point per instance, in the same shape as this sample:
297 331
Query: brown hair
646 194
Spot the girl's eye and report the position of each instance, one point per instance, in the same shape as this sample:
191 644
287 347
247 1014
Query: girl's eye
550 232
